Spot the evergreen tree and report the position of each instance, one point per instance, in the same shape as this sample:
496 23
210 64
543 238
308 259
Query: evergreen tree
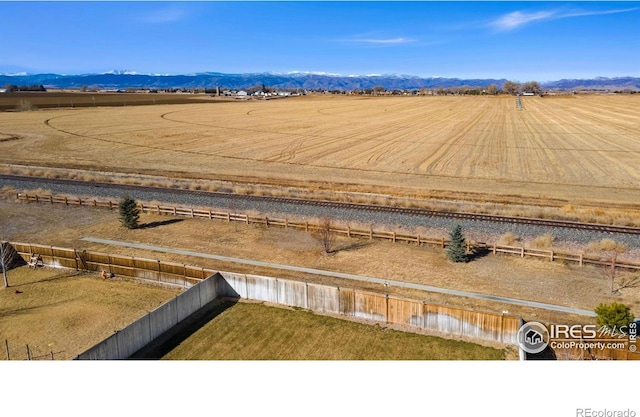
129 213
615 316
457 245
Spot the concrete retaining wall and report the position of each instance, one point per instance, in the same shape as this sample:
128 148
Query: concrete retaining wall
143 331
321 298
372 306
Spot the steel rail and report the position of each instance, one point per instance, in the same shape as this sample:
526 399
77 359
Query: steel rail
344 205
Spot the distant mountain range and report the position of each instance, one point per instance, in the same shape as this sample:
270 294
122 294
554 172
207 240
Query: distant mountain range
299 80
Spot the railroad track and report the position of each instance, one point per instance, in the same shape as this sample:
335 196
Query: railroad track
344 205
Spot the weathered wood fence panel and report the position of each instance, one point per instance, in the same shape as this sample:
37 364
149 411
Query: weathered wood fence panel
323 298
404 311
370 306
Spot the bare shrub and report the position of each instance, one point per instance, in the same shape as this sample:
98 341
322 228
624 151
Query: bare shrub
607 245
326 237
509 239
25 105
542 242
611 249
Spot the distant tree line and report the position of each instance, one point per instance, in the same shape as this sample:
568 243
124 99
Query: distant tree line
513 88
14 88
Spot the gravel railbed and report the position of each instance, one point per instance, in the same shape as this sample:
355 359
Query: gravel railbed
483 231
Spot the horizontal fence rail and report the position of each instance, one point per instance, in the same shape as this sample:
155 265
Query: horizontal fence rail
348 302
396 237
128 266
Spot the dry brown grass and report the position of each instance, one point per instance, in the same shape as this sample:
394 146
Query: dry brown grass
524 278
65 312
543 241
509 239
578 152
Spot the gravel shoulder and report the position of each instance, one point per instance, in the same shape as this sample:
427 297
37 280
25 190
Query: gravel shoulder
529 279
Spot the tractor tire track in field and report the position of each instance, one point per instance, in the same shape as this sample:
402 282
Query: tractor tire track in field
545 158
589 156
48 123
443 154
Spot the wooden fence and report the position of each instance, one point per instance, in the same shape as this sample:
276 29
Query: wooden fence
322 298
347 302
396 237
129 266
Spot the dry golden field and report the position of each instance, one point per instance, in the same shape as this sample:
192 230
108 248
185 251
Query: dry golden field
65 312
579 149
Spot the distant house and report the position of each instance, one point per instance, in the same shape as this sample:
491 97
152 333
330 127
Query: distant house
241 94
528 94
3 90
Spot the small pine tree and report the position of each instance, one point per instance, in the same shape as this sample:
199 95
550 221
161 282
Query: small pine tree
614 316
457 245
129 212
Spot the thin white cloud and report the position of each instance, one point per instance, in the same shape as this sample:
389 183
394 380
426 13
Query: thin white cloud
378 41
392 41
167 15
517 19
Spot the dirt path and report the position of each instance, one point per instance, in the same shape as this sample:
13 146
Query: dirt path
374 280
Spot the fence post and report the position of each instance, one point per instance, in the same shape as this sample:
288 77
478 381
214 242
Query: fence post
522 251
66 201
28 353
6 348
266 220
581 255
110 205
210 215
418 240
348 231
52 355
442 242
387 298
228 217
494 248
51 199
79 202
394 237
36 198
306 226
246 218
551 256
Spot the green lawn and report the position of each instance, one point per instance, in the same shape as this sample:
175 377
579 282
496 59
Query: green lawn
255 331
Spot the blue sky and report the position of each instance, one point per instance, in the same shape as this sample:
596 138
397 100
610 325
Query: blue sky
521 41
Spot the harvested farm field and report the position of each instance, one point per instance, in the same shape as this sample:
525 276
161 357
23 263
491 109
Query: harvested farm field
243 331
62 313
577 149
